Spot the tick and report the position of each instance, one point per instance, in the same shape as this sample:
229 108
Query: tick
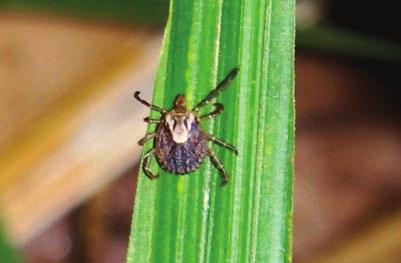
179 142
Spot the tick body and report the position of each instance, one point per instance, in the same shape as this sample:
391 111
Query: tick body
179 142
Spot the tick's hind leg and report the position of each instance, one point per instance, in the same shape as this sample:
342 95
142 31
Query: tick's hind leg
146 165
222 143
219 166
147 137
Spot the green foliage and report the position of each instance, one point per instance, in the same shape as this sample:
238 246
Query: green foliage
346 42
7 254
326 39
153 12
192 218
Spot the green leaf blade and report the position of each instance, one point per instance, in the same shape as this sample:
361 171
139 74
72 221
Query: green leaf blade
192 218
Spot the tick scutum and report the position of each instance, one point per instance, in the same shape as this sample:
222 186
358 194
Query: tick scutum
180 158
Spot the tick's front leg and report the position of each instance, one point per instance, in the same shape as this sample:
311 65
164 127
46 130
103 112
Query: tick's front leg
220 87
219 166
146 165
147 137
218 109
151 106
151 120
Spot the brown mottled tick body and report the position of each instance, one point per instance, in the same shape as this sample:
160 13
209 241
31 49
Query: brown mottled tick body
180 144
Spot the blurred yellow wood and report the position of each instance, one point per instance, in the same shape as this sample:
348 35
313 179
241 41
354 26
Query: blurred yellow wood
70 123
380 242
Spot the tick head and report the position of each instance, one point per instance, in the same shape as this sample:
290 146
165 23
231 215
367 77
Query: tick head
180 104
179 124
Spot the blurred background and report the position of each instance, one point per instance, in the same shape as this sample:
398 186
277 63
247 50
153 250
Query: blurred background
69 127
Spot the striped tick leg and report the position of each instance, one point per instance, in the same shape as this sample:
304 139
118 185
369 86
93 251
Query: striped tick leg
222 143
146 138
220 87
218 109
151 120
218 165
146 165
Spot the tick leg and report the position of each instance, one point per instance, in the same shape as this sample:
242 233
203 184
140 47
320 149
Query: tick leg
220 87
218 109
219 166
151 120
146 165
147 137
222 143
144 102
